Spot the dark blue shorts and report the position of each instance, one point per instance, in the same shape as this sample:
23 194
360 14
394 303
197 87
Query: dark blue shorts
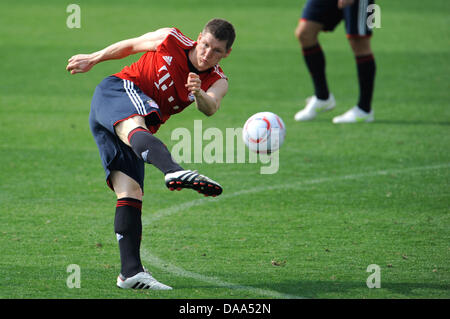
327 13
116 100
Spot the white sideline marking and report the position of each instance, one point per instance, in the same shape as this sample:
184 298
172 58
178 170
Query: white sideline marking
157 262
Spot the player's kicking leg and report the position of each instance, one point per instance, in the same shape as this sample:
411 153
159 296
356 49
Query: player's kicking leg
307 34
151 150
194 180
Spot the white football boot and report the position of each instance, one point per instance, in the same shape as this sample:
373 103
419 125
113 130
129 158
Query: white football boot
314 106
142 280
354 115
194 180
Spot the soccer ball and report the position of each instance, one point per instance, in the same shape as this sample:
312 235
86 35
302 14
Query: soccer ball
264 132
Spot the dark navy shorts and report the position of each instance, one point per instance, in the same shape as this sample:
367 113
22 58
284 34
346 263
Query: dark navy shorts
116 100
326 12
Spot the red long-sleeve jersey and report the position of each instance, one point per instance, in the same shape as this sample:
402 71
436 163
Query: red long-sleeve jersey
162 74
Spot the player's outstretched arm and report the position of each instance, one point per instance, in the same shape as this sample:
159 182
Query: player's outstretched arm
207 102
81 63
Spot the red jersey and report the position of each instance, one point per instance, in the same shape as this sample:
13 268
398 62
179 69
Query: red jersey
162 74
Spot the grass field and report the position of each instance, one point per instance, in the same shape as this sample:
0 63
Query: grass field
345 197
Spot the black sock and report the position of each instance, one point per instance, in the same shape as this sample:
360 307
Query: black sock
315 61
366 78
128 229
150 149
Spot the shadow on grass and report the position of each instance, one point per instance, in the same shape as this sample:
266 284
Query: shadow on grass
351 290
345 289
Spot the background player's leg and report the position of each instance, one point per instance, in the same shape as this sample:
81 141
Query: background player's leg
360 45
366 67
127 222
365 64
307 34
359 33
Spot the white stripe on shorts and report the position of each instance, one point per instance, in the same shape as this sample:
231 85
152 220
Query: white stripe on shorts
138 98
130 96
362 14
134 97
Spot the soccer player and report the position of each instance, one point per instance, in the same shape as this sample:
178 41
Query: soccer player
325 15
129 107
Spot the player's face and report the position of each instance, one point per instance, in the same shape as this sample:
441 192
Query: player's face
210 51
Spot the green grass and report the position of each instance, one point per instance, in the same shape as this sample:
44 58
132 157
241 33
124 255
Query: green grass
345 196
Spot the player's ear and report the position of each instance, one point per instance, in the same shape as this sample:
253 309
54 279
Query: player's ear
228 52
199 37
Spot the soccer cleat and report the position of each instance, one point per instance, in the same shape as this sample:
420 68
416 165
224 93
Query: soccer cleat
194 180
354 115
142 280
313 106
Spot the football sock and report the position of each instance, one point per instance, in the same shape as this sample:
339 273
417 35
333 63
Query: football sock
151 150
315 61
128 229
366 78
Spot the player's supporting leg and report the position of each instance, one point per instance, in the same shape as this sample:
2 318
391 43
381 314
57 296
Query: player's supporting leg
366 67
128 229
127 222
307 34
151 150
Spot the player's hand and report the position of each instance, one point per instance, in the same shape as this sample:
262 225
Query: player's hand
193 83
80 63
344 3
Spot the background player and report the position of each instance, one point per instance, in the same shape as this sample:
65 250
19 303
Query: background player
129 106
325 15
